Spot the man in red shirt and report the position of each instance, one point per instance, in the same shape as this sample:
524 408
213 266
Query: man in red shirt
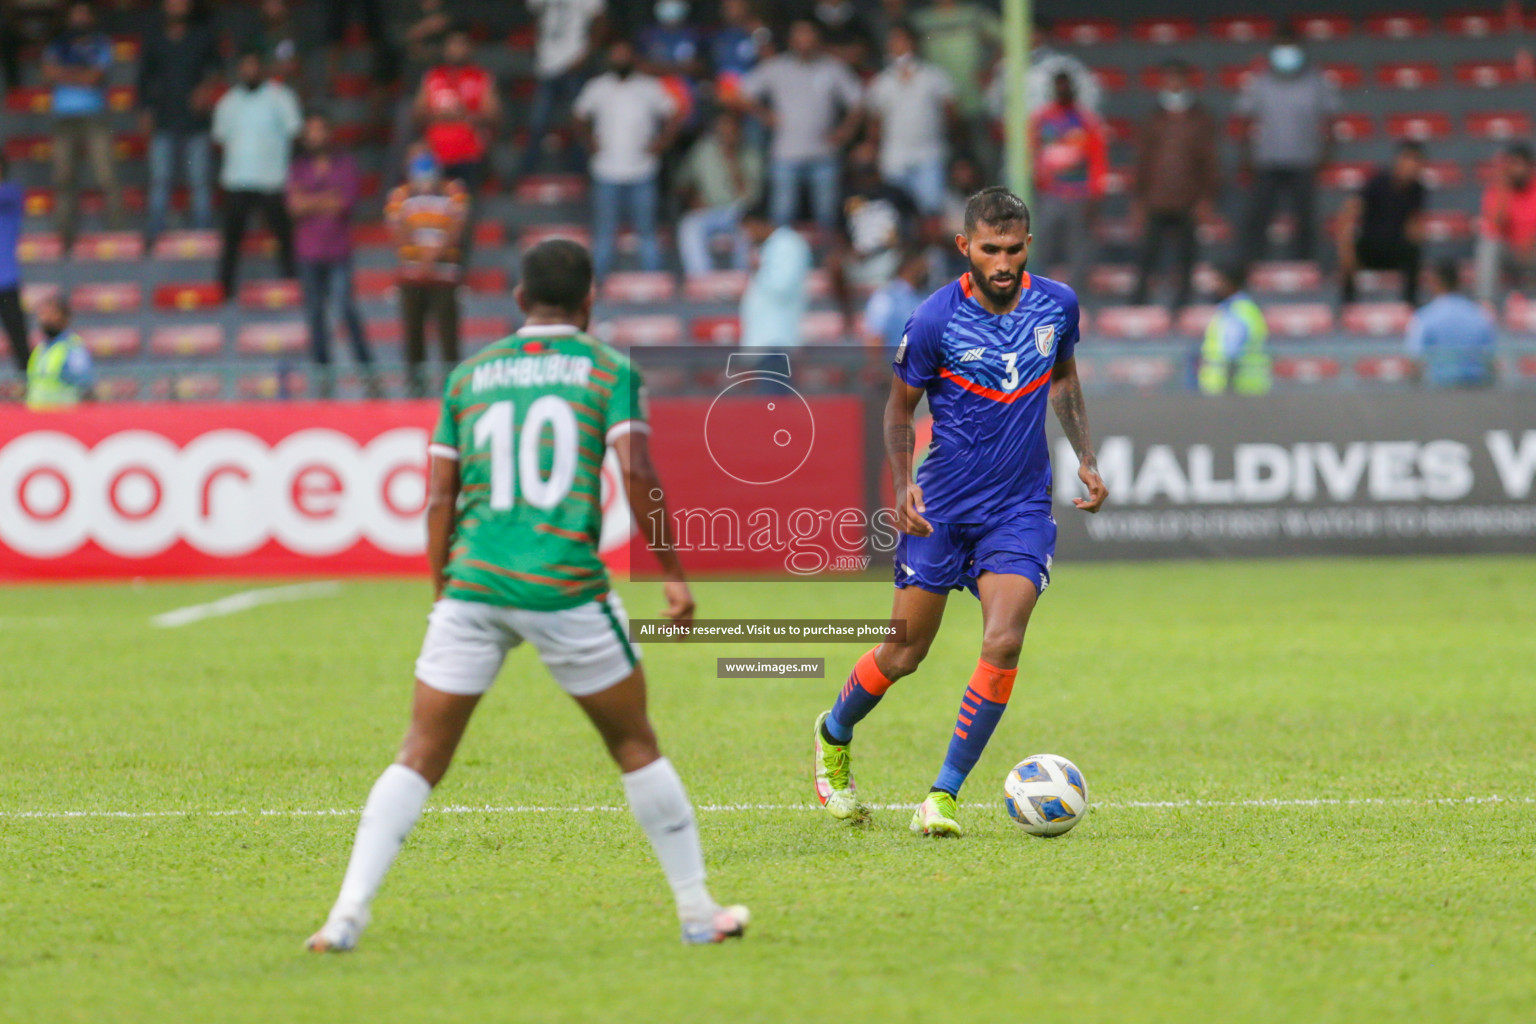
1071 160
458 107
1506 245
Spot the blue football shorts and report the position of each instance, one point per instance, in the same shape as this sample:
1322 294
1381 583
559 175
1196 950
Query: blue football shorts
1021 543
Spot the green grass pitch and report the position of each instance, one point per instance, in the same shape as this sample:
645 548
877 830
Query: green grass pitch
1403 689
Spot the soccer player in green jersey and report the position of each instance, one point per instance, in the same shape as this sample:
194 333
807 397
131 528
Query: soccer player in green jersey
513 518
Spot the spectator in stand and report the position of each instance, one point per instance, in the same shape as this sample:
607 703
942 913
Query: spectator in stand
878 222
566 33
1452 338
736 47
60 372
256 123
459 106
811 103
721 177
179 72
1506 245
1178 176
75 66
1234 356
912 108
1288 111
774 303
426 217
847 34
893 303
370 14
1382 227
672 50
13 208
323 190
422 43
628 120
1071 159
279 43
960 37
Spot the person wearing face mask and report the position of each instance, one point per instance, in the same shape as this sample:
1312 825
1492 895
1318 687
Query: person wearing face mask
256 123
672 50
59 373
426 217
912 113
627 120
1506 246
179 72
75 65
1287 111
1177 178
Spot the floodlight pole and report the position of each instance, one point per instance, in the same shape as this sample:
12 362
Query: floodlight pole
1017 25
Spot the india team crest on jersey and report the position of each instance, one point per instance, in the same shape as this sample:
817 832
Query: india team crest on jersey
1045 339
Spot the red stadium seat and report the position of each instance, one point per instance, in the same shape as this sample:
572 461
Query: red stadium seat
1132 321
39 202
187 387
639 287
1447 225
36 99
1443 174
1344 76
36 291
551 189
1486 74
1299 319
40 247
1387 369
109 246
277 293
1233 77
189 295
285 337
1498 125
351 86
1116 231
533 235
1240 29
375 283
490 234
116 389
1475 24
259 387
1086 31
259 243
130 147
1322 27
818 284
1151 77
521 38
1217 231
125 49
1384 282
107 297
1142 372
111 342
1408 75
134 199
187 340
1520 313
643 330
1114 279
1406 25
187 245
1285 277
1193 320
371 235
1352 127
1420 127
715 330
1380 319
1119 129
1110 79
1164 31
824 327
1525 366
21 148
1347 176
719 286
487 281
1307 369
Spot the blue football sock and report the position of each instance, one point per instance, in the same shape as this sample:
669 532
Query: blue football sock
865 686
981 709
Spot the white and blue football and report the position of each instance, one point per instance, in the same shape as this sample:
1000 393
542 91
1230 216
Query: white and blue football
1045 795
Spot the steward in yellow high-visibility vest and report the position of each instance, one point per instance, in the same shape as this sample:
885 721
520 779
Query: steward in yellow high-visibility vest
1235 356
59 370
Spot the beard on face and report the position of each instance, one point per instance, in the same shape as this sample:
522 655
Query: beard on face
994 295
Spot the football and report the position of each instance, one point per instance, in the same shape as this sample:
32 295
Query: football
1045 795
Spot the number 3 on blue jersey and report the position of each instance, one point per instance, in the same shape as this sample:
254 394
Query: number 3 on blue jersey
1011 361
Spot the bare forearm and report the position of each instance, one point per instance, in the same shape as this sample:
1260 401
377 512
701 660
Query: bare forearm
1072 413
900 443
440 516
649 504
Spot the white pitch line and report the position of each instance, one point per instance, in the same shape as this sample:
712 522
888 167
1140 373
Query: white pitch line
1157 805
244 601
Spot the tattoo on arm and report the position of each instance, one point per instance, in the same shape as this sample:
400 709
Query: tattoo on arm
900 442
1067 400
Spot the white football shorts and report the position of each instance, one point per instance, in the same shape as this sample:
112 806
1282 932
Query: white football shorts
585 648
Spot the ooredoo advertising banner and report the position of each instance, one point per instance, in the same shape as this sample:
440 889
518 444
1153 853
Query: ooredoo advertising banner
1306 474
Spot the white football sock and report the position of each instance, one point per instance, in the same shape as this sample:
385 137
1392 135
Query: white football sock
660 805
394 804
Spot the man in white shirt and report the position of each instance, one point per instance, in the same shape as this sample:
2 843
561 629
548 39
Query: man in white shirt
256 123
811 103
565 34
628 120
912 106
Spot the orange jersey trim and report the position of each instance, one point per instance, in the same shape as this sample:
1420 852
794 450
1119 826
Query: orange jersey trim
1005 397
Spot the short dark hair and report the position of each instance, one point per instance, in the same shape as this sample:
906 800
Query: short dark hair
994 206
1448 274
907 29
1519 150
557 273
1413 146
1234 272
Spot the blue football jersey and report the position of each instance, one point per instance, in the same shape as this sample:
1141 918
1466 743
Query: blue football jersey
988 380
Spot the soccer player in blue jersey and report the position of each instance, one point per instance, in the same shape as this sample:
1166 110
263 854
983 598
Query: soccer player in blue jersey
986 350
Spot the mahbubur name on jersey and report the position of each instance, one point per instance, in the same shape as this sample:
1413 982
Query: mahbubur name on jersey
531 371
